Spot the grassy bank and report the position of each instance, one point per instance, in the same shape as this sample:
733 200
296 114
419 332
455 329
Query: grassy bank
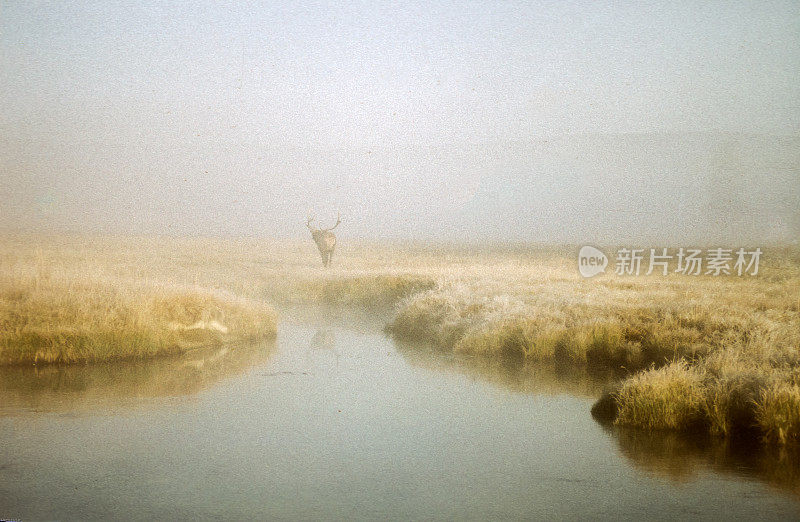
626 323
730 393
46 318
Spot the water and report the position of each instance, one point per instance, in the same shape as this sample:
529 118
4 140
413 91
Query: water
336 421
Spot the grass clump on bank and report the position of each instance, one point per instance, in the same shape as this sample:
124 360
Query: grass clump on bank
666 398
778 412
52 319
728 394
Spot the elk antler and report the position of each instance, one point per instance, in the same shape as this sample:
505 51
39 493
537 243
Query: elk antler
338 220
308 223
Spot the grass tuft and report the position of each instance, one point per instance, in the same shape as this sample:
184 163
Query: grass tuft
778 413
671 397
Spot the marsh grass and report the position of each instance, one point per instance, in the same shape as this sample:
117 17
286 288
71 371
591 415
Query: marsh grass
670 397
730 393
778 412
52 318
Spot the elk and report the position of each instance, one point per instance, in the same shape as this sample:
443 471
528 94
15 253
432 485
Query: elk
325 239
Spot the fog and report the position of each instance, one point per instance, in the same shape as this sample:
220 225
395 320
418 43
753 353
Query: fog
533 121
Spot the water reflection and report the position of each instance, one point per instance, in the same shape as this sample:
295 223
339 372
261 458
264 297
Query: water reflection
535 378
327 317
124 384
323 342
682 458
324 339
677 457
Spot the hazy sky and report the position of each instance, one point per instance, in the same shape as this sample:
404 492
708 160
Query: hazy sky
544 121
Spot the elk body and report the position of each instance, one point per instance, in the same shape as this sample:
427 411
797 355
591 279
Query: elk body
325 240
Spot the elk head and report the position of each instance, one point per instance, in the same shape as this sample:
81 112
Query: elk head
325 239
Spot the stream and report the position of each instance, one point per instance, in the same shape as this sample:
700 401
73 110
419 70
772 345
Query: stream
335 420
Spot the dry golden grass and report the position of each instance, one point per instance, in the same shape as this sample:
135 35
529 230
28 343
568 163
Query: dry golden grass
742 389
732 343
667 398
778 412
51 315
